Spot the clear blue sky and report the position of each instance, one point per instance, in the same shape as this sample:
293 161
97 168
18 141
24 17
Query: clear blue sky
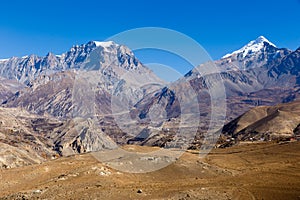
37 27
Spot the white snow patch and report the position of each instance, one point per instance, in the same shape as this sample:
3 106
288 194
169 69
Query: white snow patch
3 60
104 44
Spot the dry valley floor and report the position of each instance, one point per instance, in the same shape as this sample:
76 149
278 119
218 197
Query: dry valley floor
248 171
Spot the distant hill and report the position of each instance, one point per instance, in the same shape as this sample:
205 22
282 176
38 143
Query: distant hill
266 123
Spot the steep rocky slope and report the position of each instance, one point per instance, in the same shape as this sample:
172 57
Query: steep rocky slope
23 138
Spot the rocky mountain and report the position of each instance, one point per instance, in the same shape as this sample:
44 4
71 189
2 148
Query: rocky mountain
256 53
100 89
51 79
93 55
77 88
271 68
258 74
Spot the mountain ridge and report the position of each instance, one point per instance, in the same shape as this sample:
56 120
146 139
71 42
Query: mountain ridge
51 89
27 68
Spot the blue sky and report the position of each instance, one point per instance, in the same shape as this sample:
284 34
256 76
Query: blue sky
37 27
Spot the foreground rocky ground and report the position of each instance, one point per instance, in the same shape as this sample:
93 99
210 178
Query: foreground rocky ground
247 171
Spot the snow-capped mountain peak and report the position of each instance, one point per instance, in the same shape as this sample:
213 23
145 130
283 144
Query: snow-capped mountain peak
252 47
262 39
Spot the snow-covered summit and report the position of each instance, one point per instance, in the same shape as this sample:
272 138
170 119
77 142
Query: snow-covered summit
252 47
105 44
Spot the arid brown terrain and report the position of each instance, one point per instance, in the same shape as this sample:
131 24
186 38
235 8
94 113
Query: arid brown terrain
245 171
266 123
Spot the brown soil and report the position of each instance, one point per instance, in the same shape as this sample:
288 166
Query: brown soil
249 171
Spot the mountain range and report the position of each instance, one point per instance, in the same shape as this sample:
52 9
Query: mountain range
54 120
